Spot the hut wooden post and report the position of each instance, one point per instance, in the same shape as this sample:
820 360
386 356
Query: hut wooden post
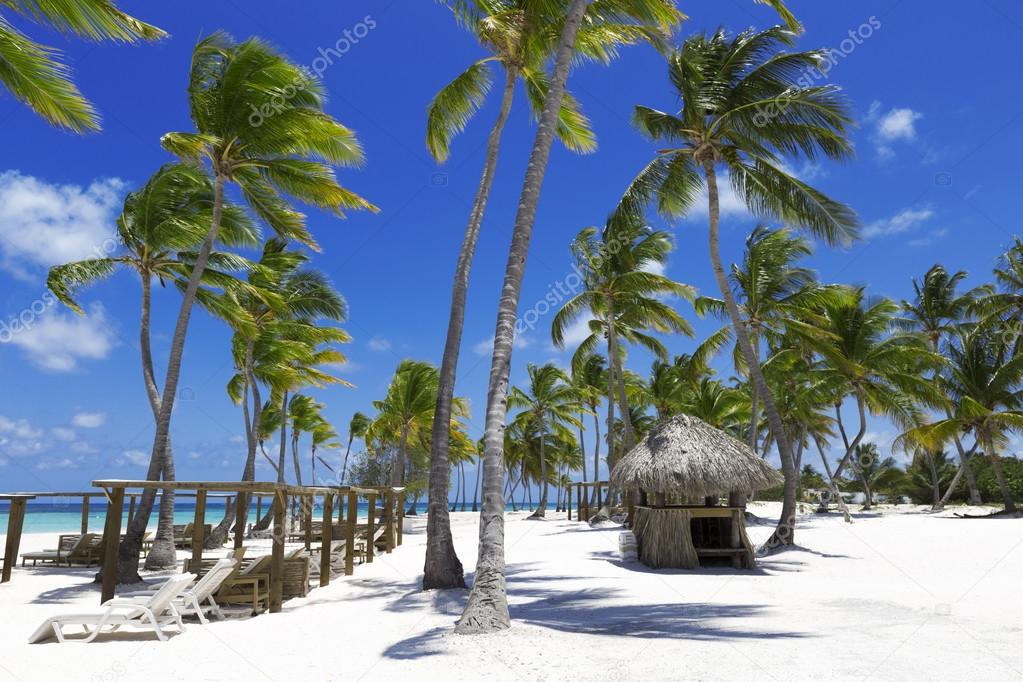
111 538
85 514
241 506
389 514
15 520
401 517
198 528
280 503
326 538
353 509
371 527
307 501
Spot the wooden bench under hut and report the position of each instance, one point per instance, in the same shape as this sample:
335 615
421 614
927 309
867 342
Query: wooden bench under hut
682 460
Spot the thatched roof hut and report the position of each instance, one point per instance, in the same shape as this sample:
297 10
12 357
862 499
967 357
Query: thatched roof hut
685 456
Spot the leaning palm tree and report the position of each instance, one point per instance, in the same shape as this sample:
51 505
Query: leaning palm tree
937 311
988 396
624 299
519 36
549 402
290 153
158 228
35 74
744 109
487 607
357 428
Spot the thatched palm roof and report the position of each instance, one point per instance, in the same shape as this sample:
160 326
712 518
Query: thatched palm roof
686 456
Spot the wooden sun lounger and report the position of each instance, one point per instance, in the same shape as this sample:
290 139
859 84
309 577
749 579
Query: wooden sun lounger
65 544
249 584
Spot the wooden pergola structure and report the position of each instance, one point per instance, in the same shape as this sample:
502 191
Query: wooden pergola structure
583 508
15 521
393 507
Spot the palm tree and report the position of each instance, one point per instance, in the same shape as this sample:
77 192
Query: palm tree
768 287
487 607
549 402
588 382
34 73
357 428
290 153
304 413
871 470
624 298
519 36
936 311
744 109
988 398
883 372
324 435
158 227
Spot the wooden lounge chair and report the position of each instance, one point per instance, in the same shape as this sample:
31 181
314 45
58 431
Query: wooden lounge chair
153 614
337 558
249 584
86 553
198 599
206 563
65 543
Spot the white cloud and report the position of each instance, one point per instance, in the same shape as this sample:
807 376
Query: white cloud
19 428
57 341
63 463
44 224
379 344
137 457
89 420
486 347
898 124
929 239
63 433
903 221
83 448
576 333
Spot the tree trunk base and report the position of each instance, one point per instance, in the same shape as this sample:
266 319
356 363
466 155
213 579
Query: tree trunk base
487 609
162 555
538 515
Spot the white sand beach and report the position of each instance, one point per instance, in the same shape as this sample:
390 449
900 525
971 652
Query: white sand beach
896 595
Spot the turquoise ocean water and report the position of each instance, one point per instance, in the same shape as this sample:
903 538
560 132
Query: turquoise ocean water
65 516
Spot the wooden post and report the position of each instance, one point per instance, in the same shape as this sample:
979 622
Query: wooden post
241 506
15 519
371 527
327 536
389 513
277 557
569 505
307 501
353 509
85 514
198 529
401 518
259 507
630 508
131 507
111 539
340 509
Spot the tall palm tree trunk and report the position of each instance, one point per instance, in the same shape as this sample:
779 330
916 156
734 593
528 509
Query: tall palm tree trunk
443 569
936 504
996 466
398 468
344 467
252 419
487 607
582 444
610 424
615 355
461 473
596 455
541 510
162 554
128 552
784 533
295 433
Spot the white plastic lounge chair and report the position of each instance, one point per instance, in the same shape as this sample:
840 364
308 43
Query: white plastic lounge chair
198 599
153 614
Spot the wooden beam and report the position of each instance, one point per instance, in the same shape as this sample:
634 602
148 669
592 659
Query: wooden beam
131 508
401 517
277 558
325 540
389 513
15 520
198 529
371 527
307 501
111 539
85 514
241 507
353 510
259 507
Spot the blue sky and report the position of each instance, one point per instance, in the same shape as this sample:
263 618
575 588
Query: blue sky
937 138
